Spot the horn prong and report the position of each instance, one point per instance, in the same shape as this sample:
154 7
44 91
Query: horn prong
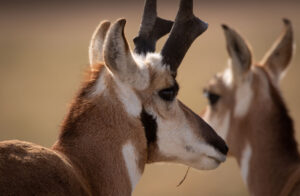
152 29
185 30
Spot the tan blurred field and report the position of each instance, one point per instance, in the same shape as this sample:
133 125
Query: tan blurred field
43 54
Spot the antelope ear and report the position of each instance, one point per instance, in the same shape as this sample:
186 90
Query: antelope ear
239 51
96 44
279 56
118 57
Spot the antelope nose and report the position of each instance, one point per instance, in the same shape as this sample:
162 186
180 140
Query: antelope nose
217 142
221 146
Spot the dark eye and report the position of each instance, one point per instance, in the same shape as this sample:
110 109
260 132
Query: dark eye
213 98
169 94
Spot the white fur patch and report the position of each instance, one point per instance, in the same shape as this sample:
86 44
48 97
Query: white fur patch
243 97
128 97
100 84
245 162
155 61
131 160
228 76
220 124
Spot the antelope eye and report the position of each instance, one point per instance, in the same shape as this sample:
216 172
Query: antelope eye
169 94
213 98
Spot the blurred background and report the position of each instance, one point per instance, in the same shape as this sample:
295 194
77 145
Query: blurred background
44 52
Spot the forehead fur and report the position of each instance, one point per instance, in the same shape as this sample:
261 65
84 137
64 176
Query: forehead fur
160 74
154 60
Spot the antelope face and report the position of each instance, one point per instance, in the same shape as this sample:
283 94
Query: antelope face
145 84
174 132
241 96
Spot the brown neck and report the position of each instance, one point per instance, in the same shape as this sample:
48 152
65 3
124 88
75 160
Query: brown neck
92 138
274 155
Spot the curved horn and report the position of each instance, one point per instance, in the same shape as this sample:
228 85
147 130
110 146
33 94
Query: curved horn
152 29
186 29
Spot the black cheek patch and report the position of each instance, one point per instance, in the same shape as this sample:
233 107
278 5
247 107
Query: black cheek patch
150 126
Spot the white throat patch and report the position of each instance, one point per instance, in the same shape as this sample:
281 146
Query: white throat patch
245 162
131 160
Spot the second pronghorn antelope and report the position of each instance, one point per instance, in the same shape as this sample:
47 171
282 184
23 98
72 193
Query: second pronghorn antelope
247 109
124 116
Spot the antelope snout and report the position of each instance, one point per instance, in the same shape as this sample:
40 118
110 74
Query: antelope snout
210 147
218 143
212 138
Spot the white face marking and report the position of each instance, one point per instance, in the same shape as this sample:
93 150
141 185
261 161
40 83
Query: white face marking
221 125
100 84
131 160
155 61
175 136
243 97
128 97
245 162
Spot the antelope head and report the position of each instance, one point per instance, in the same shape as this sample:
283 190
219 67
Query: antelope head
145 84
245 97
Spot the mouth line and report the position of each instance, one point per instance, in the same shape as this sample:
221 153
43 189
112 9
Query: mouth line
216 159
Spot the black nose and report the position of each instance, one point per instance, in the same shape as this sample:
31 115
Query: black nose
207 132
214 139
220 145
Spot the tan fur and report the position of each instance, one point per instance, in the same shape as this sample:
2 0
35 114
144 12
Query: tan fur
23 164
274 163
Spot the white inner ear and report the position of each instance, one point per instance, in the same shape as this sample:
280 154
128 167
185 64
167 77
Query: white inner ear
96 51
96 44
243 97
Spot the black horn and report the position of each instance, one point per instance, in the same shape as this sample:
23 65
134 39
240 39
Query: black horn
152 29
186 29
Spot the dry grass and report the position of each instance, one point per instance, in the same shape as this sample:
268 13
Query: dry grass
43 52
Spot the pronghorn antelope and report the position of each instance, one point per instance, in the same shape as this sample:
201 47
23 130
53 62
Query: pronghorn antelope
248 111
124 116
